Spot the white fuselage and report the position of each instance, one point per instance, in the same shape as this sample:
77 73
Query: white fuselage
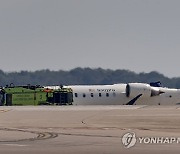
117 95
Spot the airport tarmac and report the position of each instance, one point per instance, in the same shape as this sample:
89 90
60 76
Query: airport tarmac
88 129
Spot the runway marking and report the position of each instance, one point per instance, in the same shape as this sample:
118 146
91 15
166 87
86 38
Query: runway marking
144 115
17 145
71 108
40 135
88 135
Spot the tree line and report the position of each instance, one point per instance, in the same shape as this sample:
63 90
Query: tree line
84 76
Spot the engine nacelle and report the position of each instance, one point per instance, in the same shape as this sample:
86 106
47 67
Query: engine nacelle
135 89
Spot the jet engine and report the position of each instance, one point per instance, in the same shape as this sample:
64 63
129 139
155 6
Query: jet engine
135 89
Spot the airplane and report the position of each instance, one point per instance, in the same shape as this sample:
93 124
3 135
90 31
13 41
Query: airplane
123 94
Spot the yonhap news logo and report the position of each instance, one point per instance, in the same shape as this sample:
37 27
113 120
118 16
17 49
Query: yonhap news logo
129 140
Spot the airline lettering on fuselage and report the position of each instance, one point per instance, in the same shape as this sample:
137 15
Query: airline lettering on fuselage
102 90
91 90
106 90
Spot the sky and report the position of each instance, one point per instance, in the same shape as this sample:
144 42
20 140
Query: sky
138 35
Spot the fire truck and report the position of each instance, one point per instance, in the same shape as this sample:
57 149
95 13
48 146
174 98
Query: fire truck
35 95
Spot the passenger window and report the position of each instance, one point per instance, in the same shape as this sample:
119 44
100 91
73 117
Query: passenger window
114 94
107 94
100 94
92 95
76 95
84 95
